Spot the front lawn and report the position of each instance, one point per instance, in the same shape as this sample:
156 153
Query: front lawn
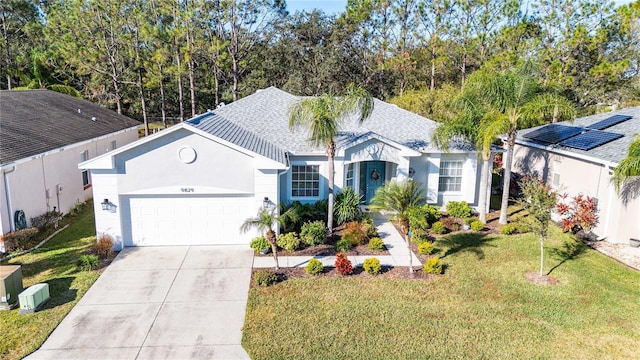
483 307
54 263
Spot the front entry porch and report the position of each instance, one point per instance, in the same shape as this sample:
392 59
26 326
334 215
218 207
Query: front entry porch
366 177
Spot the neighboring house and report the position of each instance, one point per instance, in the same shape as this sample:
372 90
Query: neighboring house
579 157
44 135
196 182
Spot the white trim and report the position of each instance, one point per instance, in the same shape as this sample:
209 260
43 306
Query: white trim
404 150
68 147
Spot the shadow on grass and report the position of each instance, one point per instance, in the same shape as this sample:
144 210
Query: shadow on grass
60 292
465 242
570 250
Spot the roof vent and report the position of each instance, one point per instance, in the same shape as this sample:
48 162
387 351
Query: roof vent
79 111
220 105
93 118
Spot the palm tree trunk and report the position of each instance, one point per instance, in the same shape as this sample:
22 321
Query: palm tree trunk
484 184
404 227
271 238
511 139
331 152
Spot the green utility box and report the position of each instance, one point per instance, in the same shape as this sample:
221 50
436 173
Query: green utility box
33 298
10 286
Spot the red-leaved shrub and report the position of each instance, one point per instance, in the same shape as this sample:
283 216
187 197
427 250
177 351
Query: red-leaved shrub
343 265
580 213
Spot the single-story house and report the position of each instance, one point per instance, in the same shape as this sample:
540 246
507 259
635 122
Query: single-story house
196 182
579 157
44 136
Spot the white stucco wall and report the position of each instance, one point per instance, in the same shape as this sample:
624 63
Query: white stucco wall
32 177
154 168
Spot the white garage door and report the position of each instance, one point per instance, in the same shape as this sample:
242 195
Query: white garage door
187 220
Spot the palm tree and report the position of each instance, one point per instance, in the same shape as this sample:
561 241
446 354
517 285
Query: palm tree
399 197
509 100
265 221
627 173
323 116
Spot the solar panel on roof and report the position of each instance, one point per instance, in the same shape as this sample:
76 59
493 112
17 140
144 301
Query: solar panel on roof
553 133
590 140
609 122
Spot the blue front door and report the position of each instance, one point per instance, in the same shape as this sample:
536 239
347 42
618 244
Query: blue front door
374 175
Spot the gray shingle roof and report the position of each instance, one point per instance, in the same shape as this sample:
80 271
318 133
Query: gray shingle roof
36 121
229 131
264 115
610 152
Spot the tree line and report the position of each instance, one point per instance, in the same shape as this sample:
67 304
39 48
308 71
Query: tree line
177 58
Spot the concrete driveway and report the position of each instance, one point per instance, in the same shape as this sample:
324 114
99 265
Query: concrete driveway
178 302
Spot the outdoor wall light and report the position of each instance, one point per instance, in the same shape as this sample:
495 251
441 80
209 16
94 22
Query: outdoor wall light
265 202
105 204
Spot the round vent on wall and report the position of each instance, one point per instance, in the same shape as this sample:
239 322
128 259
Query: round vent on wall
187 154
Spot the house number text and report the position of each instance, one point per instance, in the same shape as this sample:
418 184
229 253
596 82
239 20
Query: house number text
187 190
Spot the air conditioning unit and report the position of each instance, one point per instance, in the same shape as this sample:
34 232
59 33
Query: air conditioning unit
10 286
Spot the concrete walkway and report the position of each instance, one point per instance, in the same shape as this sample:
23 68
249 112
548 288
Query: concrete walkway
174 302
398 252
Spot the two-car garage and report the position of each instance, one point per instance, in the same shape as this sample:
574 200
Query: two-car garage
184 219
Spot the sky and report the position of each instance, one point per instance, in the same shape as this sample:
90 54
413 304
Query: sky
336 6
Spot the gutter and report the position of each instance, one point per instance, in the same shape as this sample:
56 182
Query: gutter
12 226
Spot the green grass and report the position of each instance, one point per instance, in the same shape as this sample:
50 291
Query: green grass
483 307
54 263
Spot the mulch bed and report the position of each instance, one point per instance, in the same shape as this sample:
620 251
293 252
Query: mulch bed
397 273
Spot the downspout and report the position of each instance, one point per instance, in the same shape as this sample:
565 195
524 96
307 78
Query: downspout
12 226
612 197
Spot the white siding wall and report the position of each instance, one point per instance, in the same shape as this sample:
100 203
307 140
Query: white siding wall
32 177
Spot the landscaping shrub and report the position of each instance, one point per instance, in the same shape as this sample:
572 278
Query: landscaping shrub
314 267
347 207
20 240
259 243
426 248
433 265
354 233
47 220
313 233
368 227
372 266
451 223
523 225
343 265
265 277
376 244
104 246
288 241
477 225
419 236
508 229
438 228
420 217
459 209
88 262
343 245
469 220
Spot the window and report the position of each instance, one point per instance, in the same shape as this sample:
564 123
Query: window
86 182
112 145
348 177
556 173
305 180
450 176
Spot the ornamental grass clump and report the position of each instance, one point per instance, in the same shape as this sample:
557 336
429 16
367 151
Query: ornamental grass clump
343 265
